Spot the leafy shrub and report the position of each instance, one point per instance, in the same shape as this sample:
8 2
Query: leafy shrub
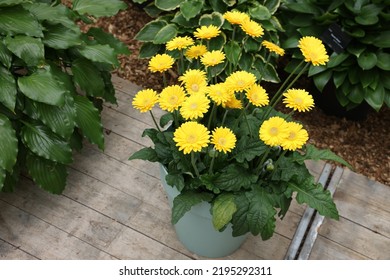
360 73
53 79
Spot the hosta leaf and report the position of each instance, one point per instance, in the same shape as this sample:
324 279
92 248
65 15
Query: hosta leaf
87 76
8 89
367 60
233 52
314 195
191 8
42 86
98 8
214 18
3 174
150 30
99 53
12 2
165 34
44 143
184 201
47 174
61 37
375 97
16 20
223 209
259 12
104 38
8 144
383 61
5 55
322 79
88 119
167 5
29 49
148 50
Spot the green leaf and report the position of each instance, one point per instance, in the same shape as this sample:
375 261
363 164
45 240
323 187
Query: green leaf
382 40
5 55
87 76
233 178
240 220
184 202
3 175
191 8
43 87
375 97
259 12
148 50
88 119
168 5
233 52
218 6
165 119
49 175
322 79
356 94
8 89
16 20
150 30
147 153
61 37
98 8
367 60
175 180
12 2
43 142
336 59
269 228
99 53
248 148
29 49
383 61
214 18
314 195
339 77
230 2
8 144
223 209
104 38
165 34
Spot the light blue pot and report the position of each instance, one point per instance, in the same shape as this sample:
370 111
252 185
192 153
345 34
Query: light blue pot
195 229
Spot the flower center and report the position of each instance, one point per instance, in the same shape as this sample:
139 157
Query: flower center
195 87
298 100
222 141
191 138
173 99
274 131
292 136
194 106
240 83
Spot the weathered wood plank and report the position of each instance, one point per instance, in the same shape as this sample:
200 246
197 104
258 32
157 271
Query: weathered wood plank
10 252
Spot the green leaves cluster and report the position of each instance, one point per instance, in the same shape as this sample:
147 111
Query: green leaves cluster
52 79
361 72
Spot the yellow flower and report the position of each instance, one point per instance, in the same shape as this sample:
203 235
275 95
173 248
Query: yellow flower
194 80
195 51
223 139
161 63
297 137
171 98
191 137
207 32
212 58
252 28
257 95
233 103
313 50
273 48
179 43
195 106
145 99
274 131
236 17
298 99
218 93
240 80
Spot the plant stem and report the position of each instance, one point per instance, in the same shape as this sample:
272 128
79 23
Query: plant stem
212 163
212 113
193 162
224 117
154 120
164 79
260 165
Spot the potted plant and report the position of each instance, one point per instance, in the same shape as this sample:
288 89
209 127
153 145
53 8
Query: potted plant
224 150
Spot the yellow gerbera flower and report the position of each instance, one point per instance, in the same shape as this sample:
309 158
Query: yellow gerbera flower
212 58
207 32
240 80
252 28
313 50
274 131
298 99
191 137
236 17
161 62
145 99
179 43
171 98
257 96
273 48
223 139
195 51
233 103
194 80
218 93
297 137
195 106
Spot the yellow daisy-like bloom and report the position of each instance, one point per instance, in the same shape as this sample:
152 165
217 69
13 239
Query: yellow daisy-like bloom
171 98
218 93
161 63
240 80
145 99
191 137
179 43
298 99
236 17
212 58
257 96
297 137
195 106
313 50
207 32
273 48
195 51
223 139
252 28
194 80
274 131
233 103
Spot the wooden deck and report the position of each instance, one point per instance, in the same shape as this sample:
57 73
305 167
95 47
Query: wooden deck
115 209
